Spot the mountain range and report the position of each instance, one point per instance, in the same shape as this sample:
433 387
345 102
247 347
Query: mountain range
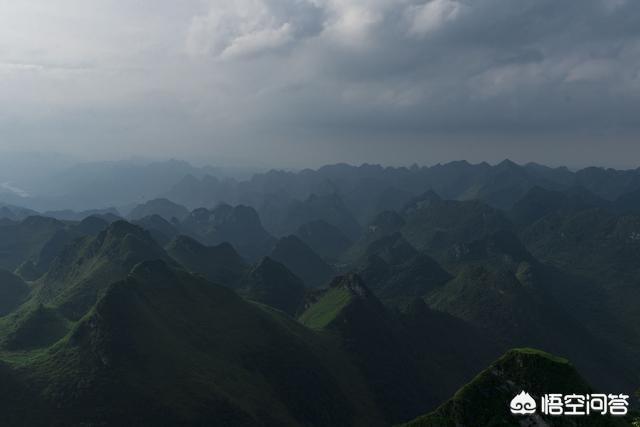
343 296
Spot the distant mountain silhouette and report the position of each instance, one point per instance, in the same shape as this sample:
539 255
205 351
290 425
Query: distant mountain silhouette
329 208
15 213
70 215
220 264
302 261
539 202
433 224
398 273
238 225
162 230
325 239
164 208
271 283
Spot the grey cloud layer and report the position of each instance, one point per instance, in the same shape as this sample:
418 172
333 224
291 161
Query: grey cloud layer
233 77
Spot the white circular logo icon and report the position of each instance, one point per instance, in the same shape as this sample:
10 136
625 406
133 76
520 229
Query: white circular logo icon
523 404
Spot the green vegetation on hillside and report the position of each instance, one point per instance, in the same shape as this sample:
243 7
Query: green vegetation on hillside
485 400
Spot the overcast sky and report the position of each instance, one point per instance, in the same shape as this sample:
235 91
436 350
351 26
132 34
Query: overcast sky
304 82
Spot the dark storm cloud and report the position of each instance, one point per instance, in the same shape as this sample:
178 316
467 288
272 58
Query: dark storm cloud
489 65
239 78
